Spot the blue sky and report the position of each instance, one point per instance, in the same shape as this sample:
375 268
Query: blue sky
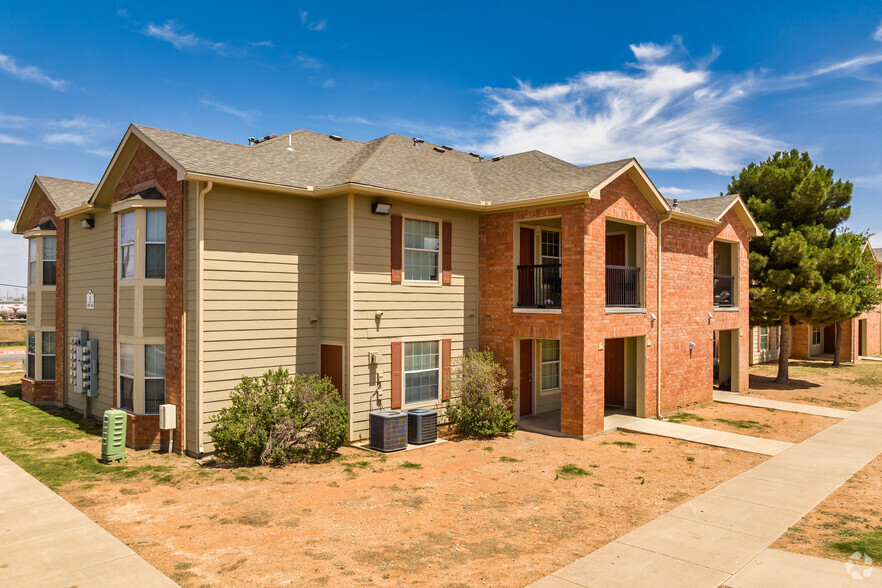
694 92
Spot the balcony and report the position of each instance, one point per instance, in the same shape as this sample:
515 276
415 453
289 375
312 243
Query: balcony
622 286
539 286
724 287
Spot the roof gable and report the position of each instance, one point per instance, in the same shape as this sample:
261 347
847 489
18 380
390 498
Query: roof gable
62 194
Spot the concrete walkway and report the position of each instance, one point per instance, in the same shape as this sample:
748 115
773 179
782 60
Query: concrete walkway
824 411
44 541
710 539
783 569
700 435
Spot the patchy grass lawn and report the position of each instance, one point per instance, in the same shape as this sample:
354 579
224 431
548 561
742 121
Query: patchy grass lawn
502 512
847 521
12 334
851 386
757 422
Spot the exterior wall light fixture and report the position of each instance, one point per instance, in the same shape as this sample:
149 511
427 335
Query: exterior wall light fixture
381 208
88 223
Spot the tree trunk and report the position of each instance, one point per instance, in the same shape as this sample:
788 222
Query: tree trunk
784 352
837 345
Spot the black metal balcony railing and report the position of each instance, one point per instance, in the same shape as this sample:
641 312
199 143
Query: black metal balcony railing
539 286
622 286
723 289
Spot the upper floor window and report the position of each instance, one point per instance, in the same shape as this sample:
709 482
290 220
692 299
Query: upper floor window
127 245
32 262
422 244
550 247
155 244
49 260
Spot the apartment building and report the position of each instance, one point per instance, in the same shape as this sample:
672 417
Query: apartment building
193 262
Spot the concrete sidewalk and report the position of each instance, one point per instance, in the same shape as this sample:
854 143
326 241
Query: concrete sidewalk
783 569
44 541
824 411
700 435
710 539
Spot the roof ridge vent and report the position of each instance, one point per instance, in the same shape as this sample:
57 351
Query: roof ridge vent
440 149
335 137
448 147
499 158
253 141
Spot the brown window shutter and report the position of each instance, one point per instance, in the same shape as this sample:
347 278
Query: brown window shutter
396 373
446 252
445 369
397 241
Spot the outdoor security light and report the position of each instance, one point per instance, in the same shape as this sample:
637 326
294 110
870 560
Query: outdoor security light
88 223
381 208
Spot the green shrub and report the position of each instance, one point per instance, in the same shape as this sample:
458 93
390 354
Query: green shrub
480 407
279 417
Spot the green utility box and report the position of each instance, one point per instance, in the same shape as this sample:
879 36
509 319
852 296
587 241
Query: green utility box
113 436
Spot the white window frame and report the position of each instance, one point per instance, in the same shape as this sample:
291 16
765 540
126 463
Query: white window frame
542 364
817 331
44 261
404 373
32 261
128 245
146 378
31 355
147 243
405 249
44 355
764 338
127 376
542 256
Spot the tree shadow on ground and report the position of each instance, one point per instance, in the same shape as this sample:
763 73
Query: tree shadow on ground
769 383
90 426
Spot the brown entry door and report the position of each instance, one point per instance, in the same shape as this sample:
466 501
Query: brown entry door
526 388
615 250
332 365
526 277
614 372
829 338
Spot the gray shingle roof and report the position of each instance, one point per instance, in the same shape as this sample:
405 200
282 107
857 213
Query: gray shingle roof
709 208
66 194
877 251
391 162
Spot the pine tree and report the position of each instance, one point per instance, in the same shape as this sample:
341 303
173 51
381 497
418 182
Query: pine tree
797 206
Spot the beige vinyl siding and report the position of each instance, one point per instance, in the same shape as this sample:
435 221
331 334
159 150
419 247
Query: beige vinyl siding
47 309
154 311
191 293
334 270
410 312
260 290
771 354
89 266
126 304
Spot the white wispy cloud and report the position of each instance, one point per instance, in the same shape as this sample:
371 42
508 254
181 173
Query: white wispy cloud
312 24
7 139
262 44
877 34
307 62
668 110
30 73
10 121
6 225
89 134
245 116
13 262
170 32
675 192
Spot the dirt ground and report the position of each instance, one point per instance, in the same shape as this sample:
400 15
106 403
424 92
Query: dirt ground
847 521
757 422
455 514
851 386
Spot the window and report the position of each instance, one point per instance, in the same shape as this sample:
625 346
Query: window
32 262
154 378
49 249
421 247
127 377
550 247
32 342
155 244
550 364
816 336
764 338
127 245
47 356
421 372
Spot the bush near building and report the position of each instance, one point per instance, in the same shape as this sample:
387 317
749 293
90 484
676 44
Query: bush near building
480 408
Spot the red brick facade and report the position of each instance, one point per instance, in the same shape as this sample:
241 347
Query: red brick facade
51 392
148 168
584 323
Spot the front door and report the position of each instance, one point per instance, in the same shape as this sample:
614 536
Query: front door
614 372
526 278
526 389
829 338
615 250
332 365
862 326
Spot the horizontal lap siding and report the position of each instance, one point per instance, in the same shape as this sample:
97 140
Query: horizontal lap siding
126 314
154 311
191 293
47 320
335 270
410 312
90 267
260 290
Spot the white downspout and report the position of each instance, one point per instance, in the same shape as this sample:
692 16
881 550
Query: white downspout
200 337
658 318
